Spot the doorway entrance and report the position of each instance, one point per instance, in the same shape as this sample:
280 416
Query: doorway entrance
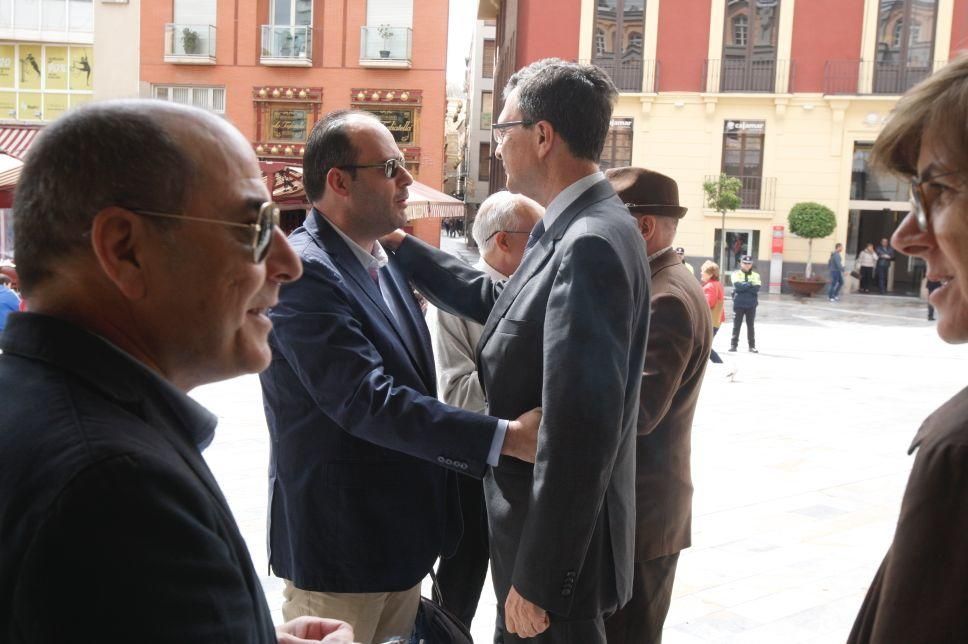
738 243
871 226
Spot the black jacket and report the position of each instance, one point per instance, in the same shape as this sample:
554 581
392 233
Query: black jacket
112 528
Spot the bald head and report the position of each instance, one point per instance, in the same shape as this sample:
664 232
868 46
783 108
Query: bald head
135 153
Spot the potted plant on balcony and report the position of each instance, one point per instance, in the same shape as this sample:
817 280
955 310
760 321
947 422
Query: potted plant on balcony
386 32
811 221
189 41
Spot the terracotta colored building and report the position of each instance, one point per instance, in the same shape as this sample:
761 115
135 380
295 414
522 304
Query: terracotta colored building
274 67
786 95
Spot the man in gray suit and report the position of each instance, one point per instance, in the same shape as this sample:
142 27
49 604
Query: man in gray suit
567 332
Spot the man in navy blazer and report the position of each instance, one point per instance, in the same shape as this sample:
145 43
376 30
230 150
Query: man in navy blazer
363 488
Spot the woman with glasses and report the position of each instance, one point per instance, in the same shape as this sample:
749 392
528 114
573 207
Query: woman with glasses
920 592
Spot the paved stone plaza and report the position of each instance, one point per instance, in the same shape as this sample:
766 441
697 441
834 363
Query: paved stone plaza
799 463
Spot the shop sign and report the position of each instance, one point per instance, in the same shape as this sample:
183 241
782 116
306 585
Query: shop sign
56 67
399 122
287 124
744 126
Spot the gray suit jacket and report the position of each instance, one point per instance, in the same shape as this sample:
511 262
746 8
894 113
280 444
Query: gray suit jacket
567 333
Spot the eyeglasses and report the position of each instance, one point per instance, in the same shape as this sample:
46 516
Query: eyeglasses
266 222
921 201
390 167
510 232
498 130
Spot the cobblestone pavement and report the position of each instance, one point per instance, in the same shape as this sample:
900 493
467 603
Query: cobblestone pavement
799 463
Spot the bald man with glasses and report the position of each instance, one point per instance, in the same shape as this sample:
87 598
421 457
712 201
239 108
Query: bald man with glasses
365 459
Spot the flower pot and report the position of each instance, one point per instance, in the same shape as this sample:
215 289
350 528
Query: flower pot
384 53
805 287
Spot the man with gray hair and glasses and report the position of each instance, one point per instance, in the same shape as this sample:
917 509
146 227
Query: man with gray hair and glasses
501 230
149 250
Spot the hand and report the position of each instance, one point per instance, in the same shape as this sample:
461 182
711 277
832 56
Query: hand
314 629
523 618
521 439
392 241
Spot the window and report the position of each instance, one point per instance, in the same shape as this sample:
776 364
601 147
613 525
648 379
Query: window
48 15
398 16
289 36
619 25
743 158
750 46
905 44
41 82
486 107
488 56
867 184
618 144
484 162
209 98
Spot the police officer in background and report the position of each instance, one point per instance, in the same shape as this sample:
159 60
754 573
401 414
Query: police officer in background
746 289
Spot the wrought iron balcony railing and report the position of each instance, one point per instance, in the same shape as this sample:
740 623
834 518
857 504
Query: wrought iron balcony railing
384 46
287 45
757 193
764 75
630 74
872 77
190 44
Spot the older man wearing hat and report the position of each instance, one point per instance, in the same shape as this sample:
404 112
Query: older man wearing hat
680 339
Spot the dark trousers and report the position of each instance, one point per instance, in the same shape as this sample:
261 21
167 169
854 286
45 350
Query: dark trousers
738 315
461 577
589 631
640 621
866 278
713 356
882 277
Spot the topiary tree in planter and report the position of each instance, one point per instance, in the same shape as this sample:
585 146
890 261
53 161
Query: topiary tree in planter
811 221
722 195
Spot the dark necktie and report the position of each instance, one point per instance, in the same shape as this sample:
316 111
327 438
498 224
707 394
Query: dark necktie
535 235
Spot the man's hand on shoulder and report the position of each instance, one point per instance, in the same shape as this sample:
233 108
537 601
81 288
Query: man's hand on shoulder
521 439
523 618
392 241
314 629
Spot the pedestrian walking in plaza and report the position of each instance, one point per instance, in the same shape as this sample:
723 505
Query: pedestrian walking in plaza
835 266
920 592
867 259
746 289
885 255
716 299
149 273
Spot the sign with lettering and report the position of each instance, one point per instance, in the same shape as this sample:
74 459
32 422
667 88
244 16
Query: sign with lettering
56 67
399 122
7 58
30 107
55 105
744 126
288 124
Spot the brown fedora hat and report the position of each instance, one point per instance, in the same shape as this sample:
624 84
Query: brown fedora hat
646 192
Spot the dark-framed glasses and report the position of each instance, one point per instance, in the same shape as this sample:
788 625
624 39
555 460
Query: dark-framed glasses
266 221
922 197
390 167
499 130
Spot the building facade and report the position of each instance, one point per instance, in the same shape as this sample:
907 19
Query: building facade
274 67
786 95
480 100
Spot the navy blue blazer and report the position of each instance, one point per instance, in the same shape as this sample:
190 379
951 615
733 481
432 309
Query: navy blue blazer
363 494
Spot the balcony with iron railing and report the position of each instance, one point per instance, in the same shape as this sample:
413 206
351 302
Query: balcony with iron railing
189 44
386 46
748 75
629 74
863 77
287 45
756 193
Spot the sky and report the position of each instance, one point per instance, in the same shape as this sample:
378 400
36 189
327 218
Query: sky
460 30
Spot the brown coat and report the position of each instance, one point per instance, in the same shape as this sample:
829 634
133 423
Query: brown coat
680 338
920 592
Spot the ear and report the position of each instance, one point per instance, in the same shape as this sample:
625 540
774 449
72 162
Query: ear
118 239
545 137
502 241
646 226
338 181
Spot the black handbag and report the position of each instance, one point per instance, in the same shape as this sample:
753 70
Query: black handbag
436 625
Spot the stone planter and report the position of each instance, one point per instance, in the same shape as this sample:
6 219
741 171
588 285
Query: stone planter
804 287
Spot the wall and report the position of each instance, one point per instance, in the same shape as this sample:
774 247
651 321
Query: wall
547 28
959 28
683 41
117 32
336 48
824 30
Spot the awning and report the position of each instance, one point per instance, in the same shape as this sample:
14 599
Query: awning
15 140
9 171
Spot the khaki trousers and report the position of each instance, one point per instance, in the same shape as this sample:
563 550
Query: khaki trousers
375 617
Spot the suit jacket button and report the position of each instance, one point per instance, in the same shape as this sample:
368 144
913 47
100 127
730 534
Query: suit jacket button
440 459
565 592
463 466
